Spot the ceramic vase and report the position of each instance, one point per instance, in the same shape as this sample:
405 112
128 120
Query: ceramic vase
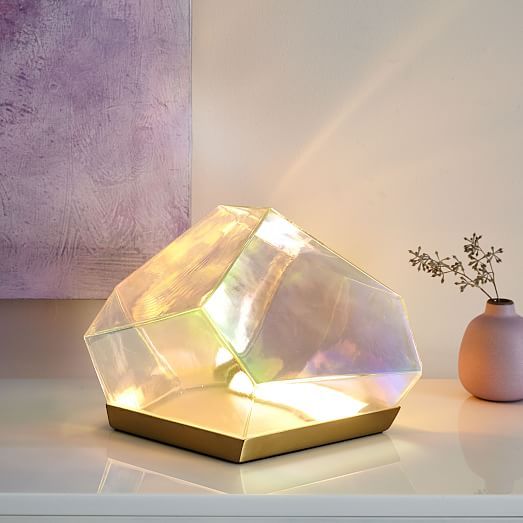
491 353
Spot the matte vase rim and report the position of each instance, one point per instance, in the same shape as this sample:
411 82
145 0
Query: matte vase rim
500 301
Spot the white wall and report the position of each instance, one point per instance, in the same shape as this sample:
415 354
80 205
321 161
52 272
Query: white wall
376 125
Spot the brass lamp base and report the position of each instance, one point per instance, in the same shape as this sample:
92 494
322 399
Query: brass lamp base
240 450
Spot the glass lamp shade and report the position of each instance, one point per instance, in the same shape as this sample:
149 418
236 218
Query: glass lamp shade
247 337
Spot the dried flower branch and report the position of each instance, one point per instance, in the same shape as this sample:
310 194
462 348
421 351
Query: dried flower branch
480 262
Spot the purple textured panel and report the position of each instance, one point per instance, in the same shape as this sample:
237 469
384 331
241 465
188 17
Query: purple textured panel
94 141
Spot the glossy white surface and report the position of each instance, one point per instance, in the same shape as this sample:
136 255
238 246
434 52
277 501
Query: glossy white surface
58 456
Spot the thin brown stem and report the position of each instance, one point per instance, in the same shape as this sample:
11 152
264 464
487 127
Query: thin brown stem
493 279
491 272
469 279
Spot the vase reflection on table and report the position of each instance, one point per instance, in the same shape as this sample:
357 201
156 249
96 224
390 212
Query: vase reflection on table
490 439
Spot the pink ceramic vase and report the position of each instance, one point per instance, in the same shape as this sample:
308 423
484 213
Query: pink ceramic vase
491 354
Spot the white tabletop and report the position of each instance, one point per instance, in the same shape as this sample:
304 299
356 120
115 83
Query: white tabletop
447 454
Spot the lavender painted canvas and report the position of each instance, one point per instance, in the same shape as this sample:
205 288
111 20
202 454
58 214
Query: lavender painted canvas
94 141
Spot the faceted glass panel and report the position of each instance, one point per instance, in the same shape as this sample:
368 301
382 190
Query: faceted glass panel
291 308
247 326
180 276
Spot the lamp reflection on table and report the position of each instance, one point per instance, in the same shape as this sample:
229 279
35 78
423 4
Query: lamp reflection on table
158 469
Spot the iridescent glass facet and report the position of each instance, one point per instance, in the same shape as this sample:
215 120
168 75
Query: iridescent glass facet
246 325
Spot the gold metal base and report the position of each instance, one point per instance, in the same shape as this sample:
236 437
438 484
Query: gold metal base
240 450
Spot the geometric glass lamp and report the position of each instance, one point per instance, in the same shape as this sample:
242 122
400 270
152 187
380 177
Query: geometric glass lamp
246 337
